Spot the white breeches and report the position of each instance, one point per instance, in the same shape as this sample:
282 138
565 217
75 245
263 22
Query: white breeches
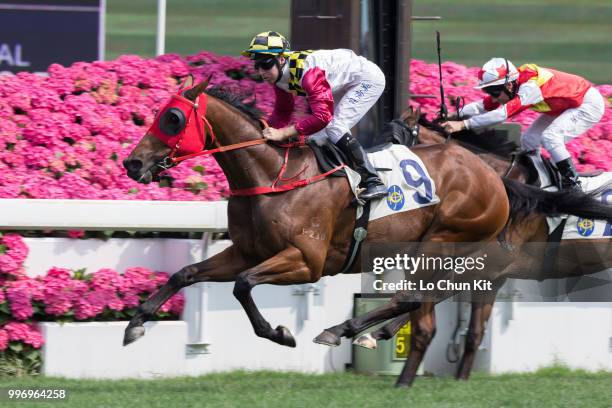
355 101
553 132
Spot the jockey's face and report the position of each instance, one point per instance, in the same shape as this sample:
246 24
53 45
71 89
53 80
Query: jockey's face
497 94
268 70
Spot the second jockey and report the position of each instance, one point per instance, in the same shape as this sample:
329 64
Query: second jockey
340 88
569 103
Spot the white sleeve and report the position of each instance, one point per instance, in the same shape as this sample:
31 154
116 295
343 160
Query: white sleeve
530 93
472 109
490 118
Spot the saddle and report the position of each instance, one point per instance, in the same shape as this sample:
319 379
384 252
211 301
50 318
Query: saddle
329 156
543 173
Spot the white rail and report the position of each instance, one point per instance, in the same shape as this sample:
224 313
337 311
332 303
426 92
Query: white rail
119 215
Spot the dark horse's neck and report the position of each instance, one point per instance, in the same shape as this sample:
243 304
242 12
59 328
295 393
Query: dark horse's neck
245 167
492 148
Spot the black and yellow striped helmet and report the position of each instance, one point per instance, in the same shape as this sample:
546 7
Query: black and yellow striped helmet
268 43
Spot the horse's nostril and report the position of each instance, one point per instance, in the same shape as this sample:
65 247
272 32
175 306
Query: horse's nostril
132 165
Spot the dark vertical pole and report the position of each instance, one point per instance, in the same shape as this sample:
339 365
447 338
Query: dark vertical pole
384 31
402 68
355 25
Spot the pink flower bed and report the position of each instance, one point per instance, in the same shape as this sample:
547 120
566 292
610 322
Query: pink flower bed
66 135
61 295
592 150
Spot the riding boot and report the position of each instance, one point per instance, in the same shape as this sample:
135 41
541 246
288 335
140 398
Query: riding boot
360 163
569 176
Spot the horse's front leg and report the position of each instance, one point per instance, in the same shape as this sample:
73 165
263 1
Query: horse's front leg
285 268
223 267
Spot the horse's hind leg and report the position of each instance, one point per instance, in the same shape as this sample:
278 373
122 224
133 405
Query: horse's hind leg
423 326
384 333
396 306
286 267
481 311
223 267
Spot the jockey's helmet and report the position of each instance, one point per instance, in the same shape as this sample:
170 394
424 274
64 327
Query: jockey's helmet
496 71
268 43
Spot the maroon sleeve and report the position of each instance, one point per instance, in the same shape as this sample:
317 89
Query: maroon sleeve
283 108
488 103
321 102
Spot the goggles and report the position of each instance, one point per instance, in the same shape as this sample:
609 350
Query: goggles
265 63
494 91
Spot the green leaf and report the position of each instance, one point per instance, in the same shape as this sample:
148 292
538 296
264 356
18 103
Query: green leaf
32 355
199 168
16 347
195 188
79 274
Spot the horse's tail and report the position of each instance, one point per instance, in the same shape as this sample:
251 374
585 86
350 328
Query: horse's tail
525 200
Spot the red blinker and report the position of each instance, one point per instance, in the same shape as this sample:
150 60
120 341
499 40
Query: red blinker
192 138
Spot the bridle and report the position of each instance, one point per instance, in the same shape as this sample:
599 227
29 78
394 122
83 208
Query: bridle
203 131
192 140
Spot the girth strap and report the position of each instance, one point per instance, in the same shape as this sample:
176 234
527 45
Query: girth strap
359 235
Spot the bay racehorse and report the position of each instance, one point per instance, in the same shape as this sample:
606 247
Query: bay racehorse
294 230
577 257
299 235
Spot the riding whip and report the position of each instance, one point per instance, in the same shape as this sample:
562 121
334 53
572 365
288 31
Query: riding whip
443 115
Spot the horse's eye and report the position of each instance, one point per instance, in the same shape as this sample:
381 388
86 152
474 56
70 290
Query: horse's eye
172 122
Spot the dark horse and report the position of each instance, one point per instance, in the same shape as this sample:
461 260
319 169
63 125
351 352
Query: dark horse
301 234
576 257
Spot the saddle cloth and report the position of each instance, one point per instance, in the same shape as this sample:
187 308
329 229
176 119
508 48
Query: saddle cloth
407 180
575 227
584 228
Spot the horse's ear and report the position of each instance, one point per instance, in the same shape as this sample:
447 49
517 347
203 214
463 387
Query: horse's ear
188 82
194 92
407 114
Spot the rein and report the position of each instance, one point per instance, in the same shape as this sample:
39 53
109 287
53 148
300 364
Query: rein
172 159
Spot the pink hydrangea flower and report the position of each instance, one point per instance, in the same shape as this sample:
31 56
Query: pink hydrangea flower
27 333
16 251
4 339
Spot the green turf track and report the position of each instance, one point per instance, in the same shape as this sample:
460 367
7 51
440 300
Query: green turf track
572 35
222 26
553 387
575 36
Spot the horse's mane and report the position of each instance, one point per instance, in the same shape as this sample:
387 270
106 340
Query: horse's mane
487 141
237 101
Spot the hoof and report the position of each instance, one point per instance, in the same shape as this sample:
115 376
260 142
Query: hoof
327 338
366 341
402 385
132 334
285 336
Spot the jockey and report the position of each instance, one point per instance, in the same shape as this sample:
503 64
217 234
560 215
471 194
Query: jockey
569 103
320 76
